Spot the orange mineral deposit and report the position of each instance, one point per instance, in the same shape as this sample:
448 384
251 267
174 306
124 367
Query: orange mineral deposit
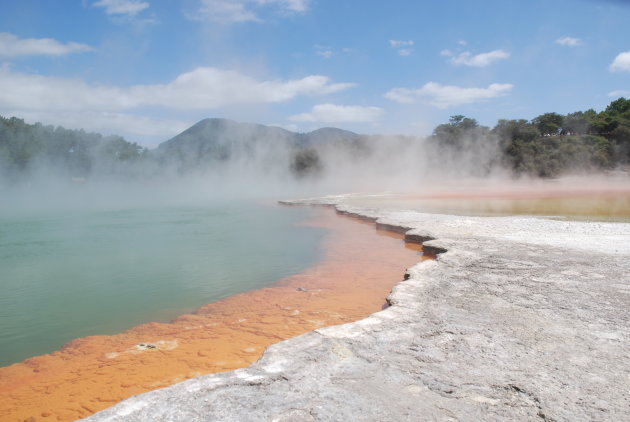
360 266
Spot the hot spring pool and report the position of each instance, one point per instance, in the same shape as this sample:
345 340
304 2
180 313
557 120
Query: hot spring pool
65 275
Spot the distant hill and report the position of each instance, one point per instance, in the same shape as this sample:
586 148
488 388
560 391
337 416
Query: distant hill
208 134
328 135
214 141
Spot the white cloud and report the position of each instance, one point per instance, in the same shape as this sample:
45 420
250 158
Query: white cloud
402 47
202 88
619 93
122 7
569 41
324 51
400 43
621 62
402 95
331 113
480 60
76 104
225 11
443 96
12 46
327 52
233 11
289 5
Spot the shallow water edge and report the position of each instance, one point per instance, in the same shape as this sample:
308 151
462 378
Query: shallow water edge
358 270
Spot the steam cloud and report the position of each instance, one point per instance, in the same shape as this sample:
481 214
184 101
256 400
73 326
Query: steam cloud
219 159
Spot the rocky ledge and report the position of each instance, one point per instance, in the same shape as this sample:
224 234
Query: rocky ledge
518 319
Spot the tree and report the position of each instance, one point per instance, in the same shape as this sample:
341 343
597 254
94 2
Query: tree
458 130
118 149
548 123
306 162
67 152
619 106
579 123
463 123
511 130
604 124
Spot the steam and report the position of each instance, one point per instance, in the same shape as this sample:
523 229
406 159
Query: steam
219 160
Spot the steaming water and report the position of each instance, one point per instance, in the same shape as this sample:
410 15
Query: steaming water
577 207
68 275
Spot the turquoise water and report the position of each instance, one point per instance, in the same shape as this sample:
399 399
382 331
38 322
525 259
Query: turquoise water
70 274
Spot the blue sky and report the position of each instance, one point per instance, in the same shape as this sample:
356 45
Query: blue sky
148 69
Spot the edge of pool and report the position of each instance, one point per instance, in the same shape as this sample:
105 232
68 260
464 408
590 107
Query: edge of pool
519 318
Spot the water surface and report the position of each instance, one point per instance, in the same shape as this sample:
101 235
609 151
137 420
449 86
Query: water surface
614 207
77 273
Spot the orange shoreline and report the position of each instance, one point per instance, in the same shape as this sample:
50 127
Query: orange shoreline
89 374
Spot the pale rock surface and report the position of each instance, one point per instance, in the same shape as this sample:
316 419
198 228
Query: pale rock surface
522 319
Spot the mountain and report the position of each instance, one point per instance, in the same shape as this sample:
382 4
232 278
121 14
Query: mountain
207 133
328 135
210 132
214 141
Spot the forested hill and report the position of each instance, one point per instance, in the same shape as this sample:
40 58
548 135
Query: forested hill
26 149
550 144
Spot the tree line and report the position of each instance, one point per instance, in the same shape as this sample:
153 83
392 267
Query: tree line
550 144
26 148
546 146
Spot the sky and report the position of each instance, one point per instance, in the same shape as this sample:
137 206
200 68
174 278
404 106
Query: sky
148 69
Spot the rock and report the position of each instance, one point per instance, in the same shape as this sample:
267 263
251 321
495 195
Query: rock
146 346
518 319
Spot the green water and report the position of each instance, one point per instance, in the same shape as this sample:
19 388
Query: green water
67 274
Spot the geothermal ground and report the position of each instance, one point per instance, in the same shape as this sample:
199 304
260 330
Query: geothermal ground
519 318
